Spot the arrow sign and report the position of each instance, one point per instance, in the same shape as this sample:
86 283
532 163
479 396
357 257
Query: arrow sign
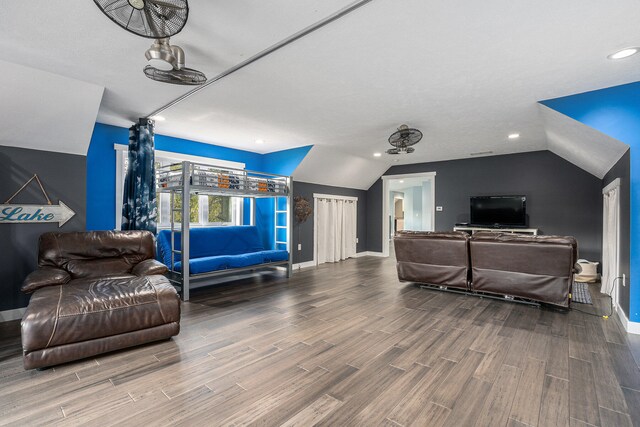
22 214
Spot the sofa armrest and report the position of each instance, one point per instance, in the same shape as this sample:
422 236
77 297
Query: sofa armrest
149 267
44 276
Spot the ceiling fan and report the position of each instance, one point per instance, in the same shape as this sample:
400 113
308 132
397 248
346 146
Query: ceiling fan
159 20
403 139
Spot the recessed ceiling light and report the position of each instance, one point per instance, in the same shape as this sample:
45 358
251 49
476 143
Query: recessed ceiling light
624 53
157 118
401 181
377 154
514 135
259 141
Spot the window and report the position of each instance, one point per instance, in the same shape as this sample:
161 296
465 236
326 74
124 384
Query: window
205 210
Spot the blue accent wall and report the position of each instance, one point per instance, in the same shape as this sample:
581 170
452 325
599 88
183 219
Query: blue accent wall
284 162
615 111
101 172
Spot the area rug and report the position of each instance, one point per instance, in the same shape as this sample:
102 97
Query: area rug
581 293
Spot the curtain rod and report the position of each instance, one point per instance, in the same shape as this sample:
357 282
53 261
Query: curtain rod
292 38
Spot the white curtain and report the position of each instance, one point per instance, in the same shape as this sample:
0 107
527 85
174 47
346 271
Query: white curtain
610 239
336 226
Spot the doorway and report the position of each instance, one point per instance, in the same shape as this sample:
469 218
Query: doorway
398 213
408 204
611 240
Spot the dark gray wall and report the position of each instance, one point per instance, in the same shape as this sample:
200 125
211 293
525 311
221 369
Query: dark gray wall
64 177
621 170
303 233
561 198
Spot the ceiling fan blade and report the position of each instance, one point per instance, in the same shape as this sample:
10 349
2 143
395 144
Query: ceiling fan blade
165 4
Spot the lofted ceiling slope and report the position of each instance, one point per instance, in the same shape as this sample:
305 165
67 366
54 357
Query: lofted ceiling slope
466 73
46 111
580 144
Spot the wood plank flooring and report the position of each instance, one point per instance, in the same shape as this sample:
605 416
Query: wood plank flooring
339 345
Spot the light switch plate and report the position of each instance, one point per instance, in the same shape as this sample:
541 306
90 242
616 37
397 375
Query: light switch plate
299 246
438 208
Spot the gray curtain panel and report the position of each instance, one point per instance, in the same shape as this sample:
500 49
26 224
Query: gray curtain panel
139 207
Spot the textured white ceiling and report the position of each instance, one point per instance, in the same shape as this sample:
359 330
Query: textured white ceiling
45 111
580 144
466 73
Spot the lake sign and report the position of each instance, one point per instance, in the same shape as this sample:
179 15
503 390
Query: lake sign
35 214
23 214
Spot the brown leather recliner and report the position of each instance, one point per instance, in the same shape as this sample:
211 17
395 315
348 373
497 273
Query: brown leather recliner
539 268
437 258
96 292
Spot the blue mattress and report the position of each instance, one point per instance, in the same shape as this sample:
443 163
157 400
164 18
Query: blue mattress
219 248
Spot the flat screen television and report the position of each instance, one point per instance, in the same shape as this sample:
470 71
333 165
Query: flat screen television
499 211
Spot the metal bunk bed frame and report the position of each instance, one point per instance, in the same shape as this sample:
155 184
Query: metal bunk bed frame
247 187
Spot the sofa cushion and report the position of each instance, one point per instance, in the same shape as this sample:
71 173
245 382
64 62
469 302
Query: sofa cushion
86 309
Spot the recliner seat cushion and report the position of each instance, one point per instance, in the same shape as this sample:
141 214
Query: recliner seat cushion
86 309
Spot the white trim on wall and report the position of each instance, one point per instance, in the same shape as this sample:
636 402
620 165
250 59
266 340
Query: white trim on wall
189 158
385 203
15 314
369 253
613 184
334 197
615 291
305 264
630 327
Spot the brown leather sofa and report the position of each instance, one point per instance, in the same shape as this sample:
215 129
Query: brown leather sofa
438 258
96 292
538 268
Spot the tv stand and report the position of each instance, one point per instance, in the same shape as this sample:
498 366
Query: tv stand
472 230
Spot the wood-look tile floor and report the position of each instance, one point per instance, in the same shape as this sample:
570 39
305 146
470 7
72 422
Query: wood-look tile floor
339 345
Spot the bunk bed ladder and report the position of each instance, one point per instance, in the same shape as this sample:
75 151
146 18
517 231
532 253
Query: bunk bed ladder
282 222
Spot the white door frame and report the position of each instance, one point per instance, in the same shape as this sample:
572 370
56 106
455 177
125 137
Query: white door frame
317 196
385 203
616 288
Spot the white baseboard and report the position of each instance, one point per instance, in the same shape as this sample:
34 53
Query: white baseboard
14 314
306 264
369 253
630 327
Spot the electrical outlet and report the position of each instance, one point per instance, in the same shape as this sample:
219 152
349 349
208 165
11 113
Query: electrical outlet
357 240
299 246
624 279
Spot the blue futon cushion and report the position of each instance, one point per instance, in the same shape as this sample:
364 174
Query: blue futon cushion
218 248
274 256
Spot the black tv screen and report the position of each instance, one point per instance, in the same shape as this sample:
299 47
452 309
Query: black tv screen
499 211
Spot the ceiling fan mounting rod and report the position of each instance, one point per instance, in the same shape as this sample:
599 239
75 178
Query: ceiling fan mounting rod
292 38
